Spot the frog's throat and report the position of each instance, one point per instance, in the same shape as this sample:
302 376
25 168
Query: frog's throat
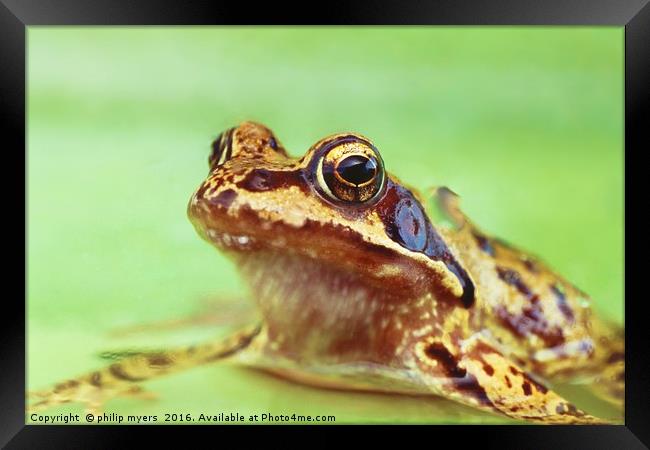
314 309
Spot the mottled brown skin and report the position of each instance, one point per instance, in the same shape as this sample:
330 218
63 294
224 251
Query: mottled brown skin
359 287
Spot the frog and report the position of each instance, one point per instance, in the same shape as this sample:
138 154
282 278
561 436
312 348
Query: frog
362 283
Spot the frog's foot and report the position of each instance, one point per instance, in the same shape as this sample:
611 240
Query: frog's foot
94 389
212 312
480 376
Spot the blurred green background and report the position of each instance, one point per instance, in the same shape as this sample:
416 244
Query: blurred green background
526 124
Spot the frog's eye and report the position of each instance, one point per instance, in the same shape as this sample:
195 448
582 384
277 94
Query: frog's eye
350 169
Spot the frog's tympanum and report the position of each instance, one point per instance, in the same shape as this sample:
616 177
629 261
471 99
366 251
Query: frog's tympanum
361 283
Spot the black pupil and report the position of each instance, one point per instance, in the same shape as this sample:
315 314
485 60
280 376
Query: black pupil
357 169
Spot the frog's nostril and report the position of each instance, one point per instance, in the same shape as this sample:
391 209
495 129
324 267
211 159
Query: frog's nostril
221 149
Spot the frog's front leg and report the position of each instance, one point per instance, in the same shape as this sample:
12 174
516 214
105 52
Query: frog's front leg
120 378
478 375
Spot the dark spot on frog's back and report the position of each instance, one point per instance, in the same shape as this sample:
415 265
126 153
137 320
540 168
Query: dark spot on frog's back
531 321
530 264
562 303
513 278
484 243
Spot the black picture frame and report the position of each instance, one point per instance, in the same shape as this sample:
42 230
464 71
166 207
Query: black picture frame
16 15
